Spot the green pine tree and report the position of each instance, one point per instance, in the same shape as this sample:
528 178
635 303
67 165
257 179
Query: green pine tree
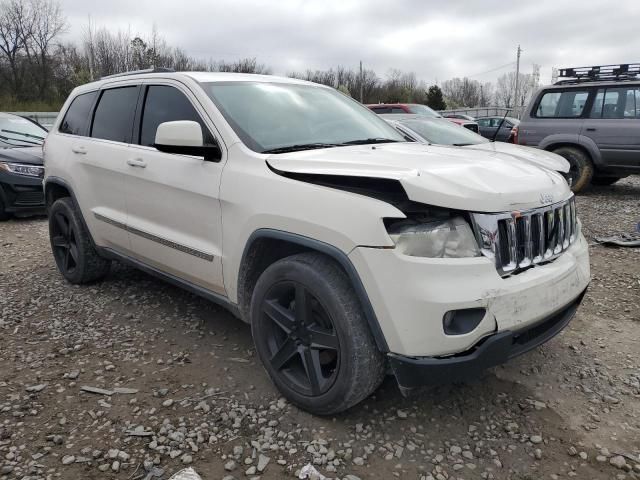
435 98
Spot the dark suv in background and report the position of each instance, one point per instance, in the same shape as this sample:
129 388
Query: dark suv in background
591 117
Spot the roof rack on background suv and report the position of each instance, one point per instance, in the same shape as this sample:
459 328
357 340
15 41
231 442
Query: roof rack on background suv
599 73
136 72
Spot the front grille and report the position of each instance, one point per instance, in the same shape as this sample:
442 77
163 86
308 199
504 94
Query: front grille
33 198
518 240
472 126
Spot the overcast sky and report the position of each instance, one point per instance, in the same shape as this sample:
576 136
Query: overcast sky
435 39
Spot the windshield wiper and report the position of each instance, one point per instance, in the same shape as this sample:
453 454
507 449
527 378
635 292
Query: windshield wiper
28 135
368 141
8 139
298 147
462 144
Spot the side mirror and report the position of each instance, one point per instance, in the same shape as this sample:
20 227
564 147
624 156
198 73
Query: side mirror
184 137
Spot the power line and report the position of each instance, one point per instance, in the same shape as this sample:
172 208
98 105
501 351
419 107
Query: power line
492 70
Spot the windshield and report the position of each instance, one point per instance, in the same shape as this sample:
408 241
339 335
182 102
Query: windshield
443 132
424 111
278 117
19 132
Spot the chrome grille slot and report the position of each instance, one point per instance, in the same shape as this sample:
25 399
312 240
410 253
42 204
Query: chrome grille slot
518 240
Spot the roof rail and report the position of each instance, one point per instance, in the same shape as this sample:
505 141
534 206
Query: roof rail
599 73
137 72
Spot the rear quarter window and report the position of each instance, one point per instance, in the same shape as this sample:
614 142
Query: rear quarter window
562 104
77 116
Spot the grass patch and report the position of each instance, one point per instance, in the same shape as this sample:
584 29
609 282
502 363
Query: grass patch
8 104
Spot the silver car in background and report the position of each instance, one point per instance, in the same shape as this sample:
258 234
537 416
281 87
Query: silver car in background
438 131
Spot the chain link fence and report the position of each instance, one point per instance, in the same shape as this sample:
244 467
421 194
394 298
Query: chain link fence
480 112
46 119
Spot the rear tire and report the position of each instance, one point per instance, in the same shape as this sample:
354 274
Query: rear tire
581 168
71 245
312 336
605 180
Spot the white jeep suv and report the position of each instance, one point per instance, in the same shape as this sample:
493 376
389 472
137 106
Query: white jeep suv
351 251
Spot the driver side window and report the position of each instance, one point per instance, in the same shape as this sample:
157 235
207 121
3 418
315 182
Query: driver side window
164 103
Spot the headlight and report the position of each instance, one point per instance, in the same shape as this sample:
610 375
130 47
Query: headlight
23 169
452 238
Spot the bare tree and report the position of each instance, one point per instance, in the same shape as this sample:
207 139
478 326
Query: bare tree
244 65
47 23
462 92
13 17
505 89
486 95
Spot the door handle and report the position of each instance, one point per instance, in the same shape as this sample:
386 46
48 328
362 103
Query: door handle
591 129
136 162
79 150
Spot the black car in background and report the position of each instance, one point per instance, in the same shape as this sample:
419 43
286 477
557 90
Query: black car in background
21 166
489 125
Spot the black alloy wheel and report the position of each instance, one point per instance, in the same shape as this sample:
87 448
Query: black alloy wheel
301 338
72 247
64 244
312 336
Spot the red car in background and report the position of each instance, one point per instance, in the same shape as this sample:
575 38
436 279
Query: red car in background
418 109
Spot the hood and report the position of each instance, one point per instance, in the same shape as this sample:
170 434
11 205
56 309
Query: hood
30 155
535 156
453 177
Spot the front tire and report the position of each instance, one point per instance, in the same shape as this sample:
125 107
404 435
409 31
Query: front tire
4 215
311 335
72 249
580 167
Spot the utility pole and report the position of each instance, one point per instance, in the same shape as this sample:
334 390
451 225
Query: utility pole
361 84
515 102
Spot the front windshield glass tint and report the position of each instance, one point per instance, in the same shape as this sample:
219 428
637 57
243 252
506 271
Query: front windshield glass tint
269 116
424 111
19 132
444 132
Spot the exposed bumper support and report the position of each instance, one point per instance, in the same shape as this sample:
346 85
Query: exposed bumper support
412 372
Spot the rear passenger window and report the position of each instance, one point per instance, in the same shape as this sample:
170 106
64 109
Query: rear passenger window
619 102
167 104
75 120
397 110
113 119
569 104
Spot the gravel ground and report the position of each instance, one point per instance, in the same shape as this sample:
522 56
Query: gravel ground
131 378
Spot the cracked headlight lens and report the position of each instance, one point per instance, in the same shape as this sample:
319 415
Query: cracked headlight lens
23 169
452 238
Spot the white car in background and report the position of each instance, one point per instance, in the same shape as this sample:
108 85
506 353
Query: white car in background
350 251
436 131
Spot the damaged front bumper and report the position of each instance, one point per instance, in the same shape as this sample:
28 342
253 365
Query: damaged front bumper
413 297
412 372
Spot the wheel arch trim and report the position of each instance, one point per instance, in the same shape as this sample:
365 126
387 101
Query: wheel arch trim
337 255
48 182
576 141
